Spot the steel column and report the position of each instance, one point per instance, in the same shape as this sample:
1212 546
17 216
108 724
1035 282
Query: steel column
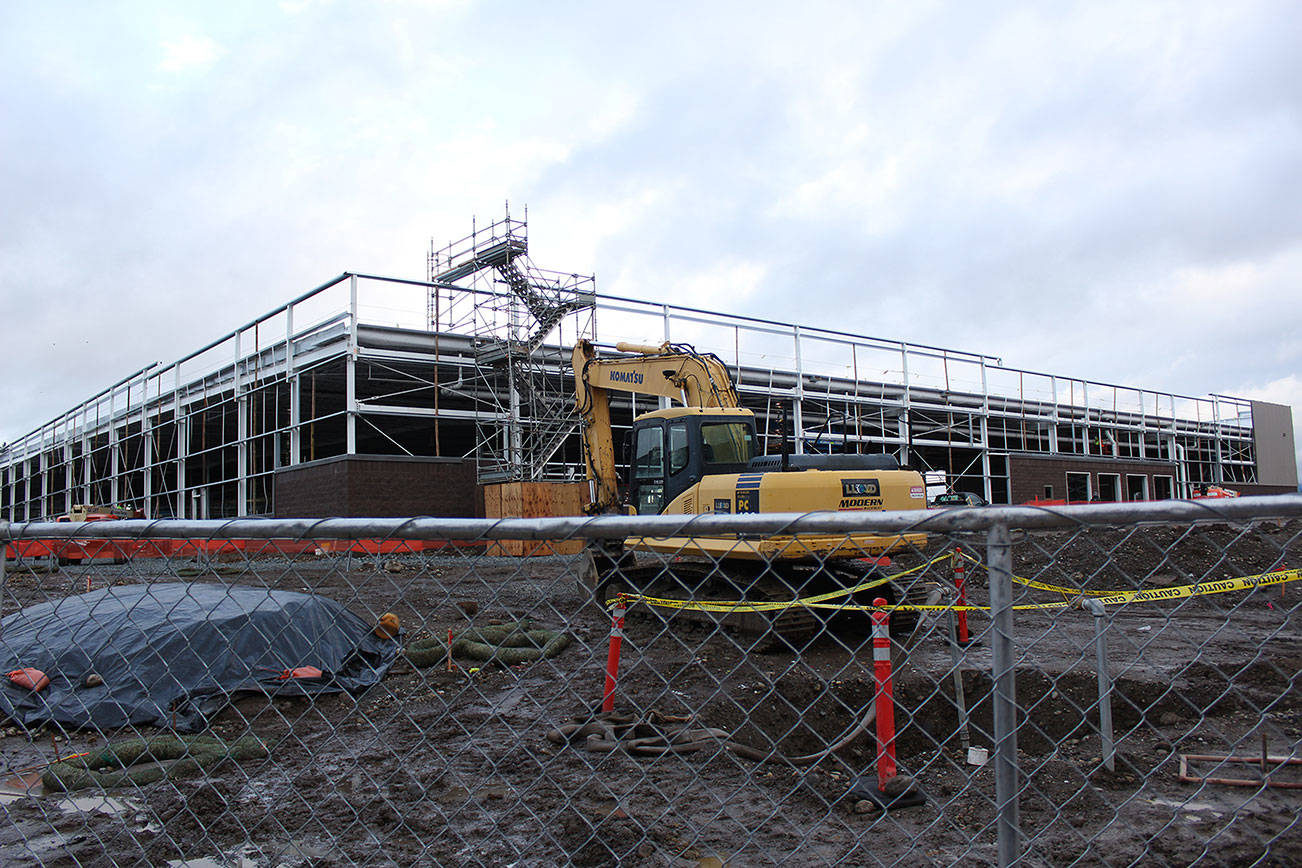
797 416
182 445
350 374
241 438
295 401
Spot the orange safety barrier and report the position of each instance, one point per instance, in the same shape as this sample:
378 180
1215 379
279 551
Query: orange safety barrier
125 549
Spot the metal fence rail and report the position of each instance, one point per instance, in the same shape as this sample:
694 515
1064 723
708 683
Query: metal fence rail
1110 684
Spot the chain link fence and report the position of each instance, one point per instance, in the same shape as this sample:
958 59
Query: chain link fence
1104 684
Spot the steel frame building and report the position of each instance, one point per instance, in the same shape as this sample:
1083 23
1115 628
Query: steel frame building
473 365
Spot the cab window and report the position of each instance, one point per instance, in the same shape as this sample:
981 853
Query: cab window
727 442
649 469
677 447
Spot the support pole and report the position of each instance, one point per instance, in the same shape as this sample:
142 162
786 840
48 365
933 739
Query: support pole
999 565
798 399
960 694
1109 753
350 373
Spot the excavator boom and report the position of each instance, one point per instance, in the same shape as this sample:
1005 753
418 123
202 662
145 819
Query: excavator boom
668 370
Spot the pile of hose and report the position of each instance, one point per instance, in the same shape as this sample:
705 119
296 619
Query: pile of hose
167 756
505 644
653 735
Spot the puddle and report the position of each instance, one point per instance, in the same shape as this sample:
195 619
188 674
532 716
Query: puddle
15 790
1182 805
295 853
108 805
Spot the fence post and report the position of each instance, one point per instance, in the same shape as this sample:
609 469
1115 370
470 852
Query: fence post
1109 752
960 695
999 566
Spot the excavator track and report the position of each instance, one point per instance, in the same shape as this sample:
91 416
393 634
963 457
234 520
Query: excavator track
784 629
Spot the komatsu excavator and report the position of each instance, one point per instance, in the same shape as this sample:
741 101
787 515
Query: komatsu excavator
700 458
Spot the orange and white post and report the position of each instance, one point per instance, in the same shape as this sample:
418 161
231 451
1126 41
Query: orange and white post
886 768
612 656
960 585
891 789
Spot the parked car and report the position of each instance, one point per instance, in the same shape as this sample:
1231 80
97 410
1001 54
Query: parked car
957 498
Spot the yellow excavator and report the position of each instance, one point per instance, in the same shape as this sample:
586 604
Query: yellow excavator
700 458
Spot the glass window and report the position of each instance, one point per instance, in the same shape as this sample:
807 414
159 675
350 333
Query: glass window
648 457
728 442
649 470
677 447
1078 487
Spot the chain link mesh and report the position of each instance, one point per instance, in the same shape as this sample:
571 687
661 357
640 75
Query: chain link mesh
734 714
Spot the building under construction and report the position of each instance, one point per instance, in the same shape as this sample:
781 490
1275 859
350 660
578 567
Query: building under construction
376 396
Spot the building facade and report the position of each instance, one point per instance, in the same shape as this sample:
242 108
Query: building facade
377 396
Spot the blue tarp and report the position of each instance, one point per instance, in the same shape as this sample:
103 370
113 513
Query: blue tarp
176 652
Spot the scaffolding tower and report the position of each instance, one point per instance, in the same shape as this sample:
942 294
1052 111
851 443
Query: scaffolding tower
513 308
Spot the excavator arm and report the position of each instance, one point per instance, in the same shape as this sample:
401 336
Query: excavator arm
674 371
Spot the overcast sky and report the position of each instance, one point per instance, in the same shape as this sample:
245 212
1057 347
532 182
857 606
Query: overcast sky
1099 190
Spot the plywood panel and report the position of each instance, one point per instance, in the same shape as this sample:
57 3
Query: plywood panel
534 500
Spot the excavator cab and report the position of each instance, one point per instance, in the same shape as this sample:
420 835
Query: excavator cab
674 449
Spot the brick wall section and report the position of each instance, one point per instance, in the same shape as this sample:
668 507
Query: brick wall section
378 486
1029 474
315 490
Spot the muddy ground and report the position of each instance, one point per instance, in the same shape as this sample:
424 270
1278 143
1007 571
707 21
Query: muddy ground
439 767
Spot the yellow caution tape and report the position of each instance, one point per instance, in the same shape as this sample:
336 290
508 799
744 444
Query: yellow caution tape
819 601
1112 598
1175 592
1179 592
1041 586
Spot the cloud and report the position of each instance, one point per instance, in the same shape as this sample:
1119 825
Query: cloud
1099 190
189 53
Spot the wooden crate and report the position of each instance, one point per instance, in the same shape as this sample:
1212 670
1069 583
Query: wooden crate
534 500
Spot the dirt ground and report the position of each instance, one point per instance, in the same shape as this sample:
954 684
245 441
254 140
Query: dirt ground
439 767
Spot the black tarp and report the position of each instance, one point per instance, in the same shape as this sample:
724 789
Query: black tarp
176 652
